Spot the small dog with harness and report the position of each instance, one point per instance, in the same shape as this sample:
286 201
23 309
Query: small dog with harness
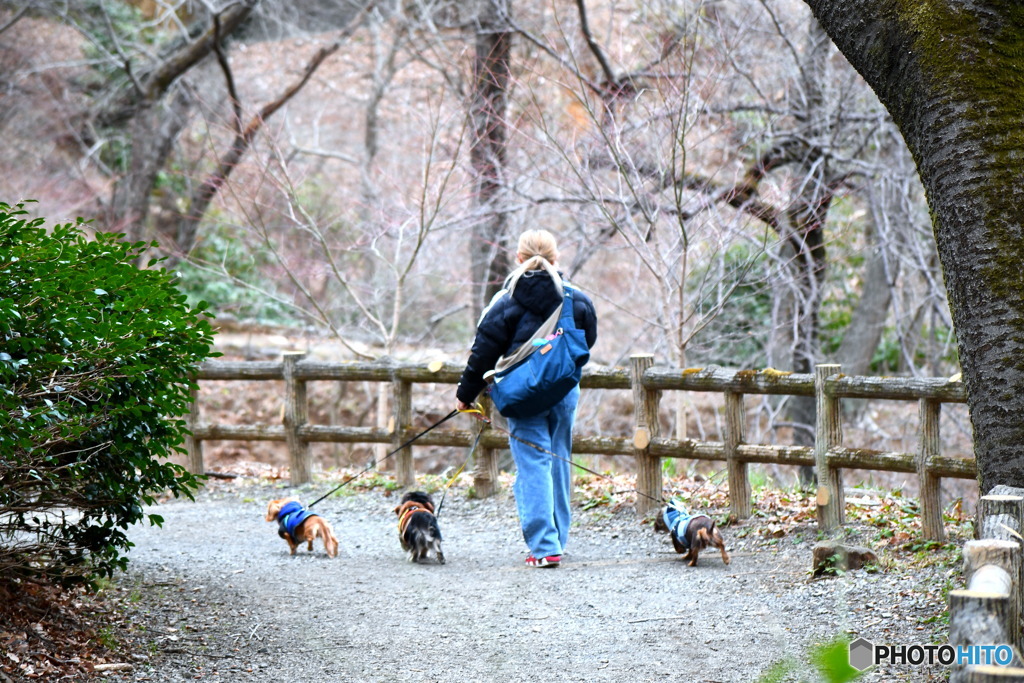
297 524
690 533
418 531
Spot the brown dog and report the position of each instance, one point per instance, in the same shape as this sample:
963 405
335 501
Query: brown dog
690 534
297 525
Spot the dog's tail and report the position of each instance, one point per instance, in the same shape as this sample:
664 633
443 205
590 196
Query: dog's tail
330 541
326 534
426 539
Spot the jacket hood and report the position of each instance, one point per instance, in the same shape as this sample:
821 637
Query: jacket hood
536 292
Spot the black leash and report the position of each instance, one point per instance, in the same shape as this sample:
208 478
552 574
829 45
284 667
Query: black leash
483 418
374 464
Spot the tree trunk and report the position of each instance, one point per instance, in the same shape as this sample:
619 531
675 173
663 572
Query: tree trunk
153 131
489 257
881 270
949 73
867 322
804 231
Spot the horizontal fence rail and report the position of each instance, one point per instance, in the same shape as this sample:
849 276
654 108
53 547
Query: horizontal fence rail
647 383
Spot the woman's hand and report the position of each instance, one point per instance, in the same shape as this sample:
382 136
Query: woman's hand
459 405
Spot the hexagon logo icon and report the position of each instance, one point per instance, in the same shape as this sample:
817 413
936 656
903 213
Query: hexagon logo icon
862 654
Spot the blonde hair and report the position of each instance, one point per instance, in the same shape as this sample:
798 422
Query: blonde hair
537 243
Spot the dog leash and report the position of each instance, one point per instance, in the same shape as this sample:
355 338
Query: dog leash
374 464
459 471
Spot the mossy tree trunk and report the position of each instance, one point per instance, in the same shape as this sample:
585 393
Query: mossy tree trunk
951 74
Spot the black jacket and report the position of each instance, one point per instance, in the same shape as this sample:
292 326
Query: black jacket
510 321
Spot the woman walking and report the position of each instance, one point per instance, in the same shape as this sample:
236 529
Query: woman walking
543 483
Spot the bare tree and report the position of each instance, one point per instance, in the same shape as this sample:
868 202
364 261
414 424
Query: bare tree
204 195
683 152
153 104
492 39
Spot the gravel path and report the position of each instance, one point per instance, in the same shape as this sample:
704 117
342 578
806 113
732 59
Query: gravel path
214 595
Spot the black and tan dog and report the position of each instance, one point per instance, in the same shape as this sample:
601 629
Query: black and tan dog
418 530
690 533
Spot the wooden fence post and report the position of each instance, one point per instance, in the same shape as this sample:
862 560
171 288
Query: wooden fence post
296 414
739 482
927 446
401 428
193 446
485 466
828 434
645 414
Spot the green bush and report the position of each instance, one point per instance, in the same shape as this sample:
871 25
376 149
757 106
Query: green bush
95 360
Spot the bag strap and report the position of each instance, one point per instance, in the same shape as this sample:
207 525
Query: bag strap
546 328
568 318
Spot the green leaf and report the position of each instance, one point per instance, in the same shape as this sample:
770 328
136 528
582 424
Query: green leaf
833 661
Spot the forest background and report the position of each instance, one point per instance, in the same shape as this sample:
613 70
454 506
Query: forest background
722 183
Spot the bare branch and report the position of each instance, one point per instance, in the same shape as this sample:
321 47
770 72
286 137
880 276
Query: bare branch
243 138
595 49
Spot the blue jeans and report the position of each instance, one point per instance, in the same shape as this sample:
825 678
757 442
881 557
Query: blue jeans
543 487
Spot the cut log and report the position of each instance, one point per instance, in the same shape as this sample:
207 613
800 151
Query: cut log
1003 554
991 579
993 674
979 618
1000 517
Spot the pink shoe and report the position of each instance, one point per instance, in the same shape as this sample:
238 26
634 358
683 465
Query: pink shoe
549 561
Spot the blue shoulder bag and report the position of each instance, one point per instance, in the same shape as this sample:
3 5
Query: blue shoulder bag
543 371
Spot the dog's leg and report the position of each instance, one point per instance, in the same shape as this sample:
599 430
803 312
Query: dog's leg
678 546
693 557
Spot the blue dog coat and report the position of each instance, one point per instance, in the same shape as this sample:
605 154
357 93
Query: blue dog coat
677 520
291 516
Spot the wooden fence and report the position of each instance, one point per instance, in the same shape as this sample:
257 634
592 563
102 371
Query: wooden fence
647 383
